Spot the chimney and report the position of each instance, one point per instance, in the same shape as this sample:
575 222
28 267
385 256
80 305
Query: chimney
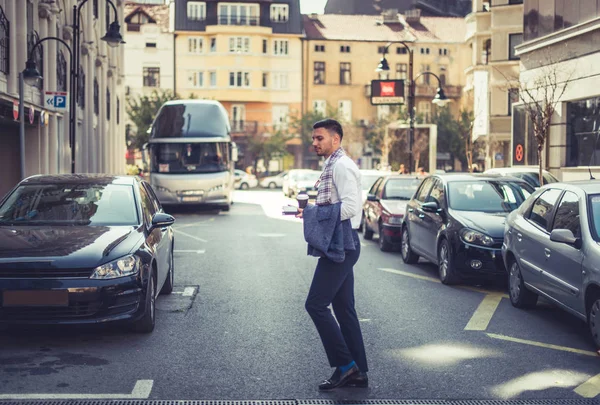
390 16
413 15
314 16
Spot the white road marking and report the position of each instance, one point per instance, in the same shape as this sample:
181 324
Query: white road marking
190 236
141 390
200 252
189 291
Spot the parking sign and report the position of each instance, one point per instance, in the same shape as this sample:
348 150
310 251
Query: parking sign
56 100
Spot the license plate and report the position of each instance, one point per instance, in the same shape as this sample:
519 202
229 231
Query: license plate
191 199
35 298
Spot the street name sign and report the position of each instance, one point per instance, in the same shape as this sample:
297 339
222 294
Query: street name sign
387 92
56 100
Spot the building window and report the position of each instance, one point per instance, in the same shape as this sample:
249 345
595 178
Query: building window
583 121
381 49
279 12
515 1
81 88
524 150
151 77
95 8
196 10
425 78
319 48
118 110
425 111
238 14
513 41
61 72
401 50
345 48
401 71
195 45
239 79
265 46
96 97
239 44
319 76
4 42
320 107
345 76
265 80
196 79
38 57
443 51
213 79
280 81
213 44
107 19
345 110
442 74
107 104
150 44
513 97
280 47
238 117
280 117
424 51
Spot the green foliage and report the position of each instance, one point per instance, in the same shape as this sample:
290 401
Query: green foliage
454 135
142 110
267 147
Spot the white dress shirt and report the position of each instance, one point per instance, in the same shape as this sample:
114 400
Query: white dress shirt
347 189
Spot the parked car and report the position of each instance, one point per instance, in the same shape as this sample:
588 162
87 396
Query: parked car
551 249
384 210
529 174
273 182
457 222
244 181
83 249
368 178
290 179
305 183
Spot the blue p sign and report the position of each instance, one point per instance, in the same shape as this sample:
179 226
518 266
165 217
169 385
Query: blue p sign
60 102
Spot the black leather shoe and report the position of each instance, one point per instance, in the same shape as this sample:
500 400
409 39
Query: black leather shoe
338 379
358 380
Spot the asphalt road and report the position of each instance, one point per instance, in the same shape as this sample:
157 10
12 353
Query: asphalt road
236 328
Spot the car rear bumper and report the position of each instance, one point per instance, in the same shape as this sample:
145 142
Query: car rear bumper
88 301
476 261
392 233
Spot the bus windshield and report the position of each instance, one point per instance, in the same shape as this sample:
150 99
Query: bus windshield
210 157
190 120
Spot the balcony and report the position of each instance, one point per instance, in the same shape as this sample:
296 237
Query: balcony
244 127
424 90
238 20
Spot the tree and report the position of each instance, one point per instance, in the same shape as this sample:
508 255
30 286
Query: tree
142 111
266 147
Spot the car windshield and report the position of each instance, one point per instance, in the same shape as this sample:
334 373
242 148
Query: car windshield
594 212
70 204
486 195
400 189
367 181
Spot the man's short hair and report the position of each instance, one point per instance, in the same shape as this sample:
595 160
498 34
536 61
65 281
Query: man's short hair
331 125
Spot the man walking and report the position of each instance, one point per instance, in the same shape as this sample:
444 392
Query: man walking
333 282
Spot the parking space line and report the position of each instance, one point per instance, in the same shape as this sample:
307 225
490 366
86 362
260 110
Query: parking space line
484 312
200 252
406 273
190 236
590 388
543 345
141 390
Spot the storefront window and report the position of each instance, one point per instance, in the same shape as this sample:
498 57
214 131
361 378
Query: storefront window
583 118
524 144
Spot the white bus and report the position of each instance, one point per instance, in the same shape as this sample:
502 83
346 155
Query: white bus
191 154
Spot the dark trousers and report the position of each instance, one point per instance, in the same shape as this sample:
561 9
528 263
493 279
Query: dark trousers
333 283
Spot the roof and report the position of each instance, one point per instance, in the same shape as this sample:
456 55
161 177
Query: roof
588 186
475 176
372 28
157 12
79 179
523 169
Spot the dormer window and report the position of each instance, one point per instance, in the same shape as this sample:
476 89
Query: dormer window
135 21
238 14
280 12
196 10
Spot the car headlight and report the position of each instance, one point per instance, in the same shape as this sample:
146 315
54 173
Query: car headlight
395 220
475 237
217 188
125 266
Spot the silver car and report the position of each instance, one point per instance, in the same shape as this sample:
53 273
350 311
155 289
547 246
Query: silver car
551 249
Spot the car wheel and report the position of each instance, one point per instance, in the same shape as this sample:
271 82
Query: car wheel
167 287
594 320
225 207
272 185
384 245
446 264
368 233
146 323
520 296
408 256
244 186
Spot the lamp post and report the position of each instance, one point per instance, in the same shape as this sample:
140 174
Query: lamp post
440 98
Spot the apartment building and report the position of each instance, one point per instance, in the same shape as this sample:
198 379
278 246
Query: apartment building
494 30
245 55
448 8
99 145
339 63
561 38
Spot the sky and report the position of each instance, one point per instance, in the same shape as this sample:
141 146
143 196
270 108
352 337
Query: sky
312 6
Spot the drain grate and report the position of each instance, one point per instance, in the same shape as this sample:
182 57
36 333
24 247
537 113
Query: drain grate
311 402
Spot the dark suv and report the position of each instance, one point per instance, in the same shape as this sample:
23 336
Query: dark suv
457 222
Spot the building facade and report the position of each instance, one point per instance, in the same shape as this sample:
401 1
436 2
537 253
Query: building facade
99 142
245 55
340 63
454 8
494 30
560 39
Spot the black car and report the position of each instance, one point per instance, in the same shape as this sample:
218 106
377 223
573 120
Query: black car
457 222
83 249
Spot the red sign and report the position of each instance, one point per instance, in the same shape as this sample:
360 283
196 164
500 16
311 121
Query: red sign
388 89
15 110
519 153
387 92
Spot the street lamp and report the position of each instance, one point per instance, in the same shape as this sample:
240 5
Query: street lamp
440 98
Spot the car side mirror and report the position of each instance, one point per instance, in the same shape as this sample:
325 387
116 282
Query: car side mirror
160 220
565 236
372 197
431 206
